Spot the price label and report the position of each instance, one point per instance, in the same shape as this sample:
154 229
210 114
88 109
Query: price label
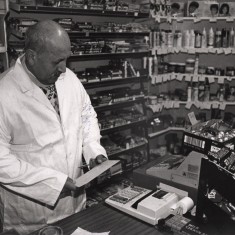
192 118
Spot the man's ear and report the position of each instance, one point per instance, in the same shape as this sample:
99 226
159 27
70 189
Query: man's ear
30 56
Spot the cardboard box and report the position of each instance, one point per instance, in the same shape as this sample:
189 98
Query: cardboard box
194 139
203 8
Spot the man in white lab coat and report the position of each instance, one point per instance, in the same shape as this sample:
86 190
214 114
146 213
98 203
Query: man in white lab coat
41 146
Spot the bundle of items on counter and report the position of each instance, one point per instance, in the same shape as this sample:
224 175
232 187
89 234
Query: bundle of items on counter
109 5
209 136
190 8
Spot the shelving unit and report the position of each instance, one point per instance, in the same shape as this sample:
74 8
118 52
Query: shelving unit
3 36
165 83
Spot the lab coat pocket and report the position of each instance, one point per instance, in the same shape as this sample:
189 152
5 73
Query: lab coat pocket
22 151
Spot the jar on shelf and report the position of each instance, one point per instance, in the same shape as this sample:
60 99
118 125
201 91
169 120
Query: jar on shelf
230 71
210 71
190 63
198 39
171 67
201 69
180 68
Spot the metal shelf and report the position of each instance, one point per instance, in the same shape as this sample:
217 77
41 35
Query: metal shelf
74 11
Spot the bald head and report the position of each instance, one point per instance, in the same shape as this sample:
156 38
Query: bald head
46 35
47 49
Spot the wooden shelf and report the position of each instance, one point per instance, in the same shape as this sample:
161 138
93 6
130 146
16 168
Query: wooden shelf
74 11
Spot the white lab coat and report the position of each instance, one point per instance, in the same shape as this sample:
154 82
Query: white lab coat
38 150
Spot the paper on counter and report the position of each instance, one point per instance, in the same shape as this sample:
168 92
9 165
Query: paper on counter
94 172
80 231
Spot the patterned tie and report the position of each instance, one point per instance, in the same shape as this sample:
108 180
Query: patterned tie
51 93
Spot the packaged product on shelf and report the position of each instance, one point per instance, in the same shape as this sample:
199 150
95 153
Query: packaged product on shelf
203 8
177 8
27 2
78 4
227 9
65 3
209 136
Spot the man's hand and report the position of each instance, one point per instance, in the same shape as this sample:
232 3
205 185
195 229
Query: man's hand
98 160
69 186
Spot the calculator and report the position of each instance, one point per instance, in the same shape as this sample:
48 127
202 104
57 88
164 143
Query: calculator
125 195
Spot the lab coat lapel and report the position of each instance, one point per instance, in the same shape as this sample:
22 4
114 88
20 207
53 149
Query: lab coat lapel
60 92
28 87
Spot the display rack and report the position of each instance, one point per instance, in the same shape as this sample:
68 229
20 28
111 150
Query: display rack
168 81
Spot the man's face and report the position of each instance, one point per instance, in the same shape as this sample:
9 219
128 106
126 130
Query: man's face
48 65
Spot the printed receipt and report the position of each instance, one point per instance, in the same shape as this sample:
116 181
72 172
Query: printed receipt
94 172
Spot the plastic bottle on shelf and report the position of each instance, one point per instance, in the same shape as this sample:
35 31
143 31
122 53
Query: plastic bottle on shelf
204 38
231 38
211 37
207 91
189 93
163 38
150 63
155 65
224 38
198 39
170 38
192 39
195 92
201 91
218 38
186 38
145 62
157 39
196 65
179 39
